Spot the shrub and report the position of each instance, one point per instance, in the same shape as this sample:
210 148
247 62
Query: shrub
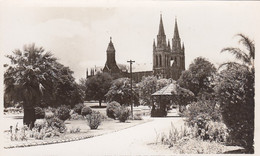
78 108
39 113
138 116
235 92
113 109
86 111
123 114
56 123
62 112
49 115
94 119
74 130
76 116
201 112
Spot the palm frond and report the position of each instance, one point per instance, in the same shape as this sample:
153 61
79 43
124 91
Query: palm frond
232 64
239 54
249 44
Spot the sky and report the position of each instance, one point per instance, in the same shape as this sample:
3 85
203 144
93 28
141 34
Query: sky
78 33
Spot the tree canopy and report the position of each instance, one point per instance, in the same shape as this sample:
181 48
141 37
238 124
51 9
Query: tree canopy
97 86
120 91
199 77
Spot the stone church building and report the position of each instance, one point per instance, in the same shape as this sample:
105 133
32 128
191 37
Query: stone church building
168 60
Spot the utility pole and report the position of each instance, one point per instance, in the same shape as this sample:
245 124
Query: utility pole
131 73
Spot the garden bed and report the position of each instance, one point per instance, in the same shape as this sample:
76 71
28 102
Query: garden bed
108 126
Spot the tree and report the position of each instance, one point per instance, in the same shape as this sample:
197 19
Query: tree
97 86
67 91
148 86
199 77
235 91
120 91
183 97
27 77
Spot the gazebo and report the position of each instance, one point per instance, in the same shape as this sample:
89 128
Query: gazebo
169 95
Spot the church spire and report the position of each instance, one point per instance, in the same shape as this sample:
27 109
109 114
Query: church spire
161 37
176 41
110 47
176 31
161 28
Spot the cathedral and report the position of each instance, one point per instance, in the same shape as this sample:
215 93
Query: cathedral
168 60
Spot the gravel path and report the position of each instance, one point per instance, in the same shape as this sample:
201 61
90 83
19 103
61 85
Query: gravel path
131 141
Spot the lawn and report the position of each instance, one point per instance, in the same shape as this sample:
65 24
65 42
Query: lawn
107 126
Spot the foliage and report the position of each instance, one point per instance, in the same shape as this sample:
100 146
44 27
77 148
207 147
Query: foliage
56 123
187 141
78 108
74 130
202 111
123 114
97 86
137 116
182 97
86 111
94 119
120 91
28 76
63 112
235 92
35 78
39 113
76 116
113 109
148 86
199 77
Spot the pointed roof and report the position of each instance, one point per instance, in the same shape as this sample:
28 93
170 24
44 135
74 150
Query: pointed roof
161 29
110 45
176 31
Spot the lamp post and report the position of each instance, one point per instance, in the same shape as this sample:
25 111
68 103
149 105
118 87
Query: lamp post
131 62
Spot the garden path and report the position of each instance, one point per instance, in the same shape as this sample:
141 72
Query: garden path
131 141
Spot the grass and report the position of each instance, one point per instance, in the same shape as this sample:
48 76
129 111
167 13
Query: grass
107 126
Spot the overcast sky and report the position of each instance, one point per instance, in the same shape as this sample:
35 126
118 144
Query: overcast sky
78 35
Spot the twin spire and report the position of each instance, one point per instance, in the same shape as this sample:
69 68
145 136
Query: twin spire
161 37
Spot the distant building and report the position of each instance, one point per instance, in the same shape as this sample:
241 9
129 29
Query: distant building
168 61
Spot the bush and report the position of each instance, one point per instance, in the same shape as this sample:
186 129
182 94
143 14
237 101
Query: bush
78 108
76 116
86 111
39 113
236 92
94 119
201 112
123 114
62 112
56 123
113 109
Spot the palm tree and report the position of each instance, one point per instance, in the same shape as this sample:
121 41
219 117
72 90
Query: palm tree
236 93
28 75
246 57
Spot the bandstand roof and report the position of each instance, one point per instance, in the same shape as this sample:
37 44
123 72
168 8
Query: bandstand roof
167 90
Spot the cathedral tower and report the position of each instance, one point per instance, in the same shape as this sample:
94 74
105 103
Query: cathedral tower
168 62
161 53
111 66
